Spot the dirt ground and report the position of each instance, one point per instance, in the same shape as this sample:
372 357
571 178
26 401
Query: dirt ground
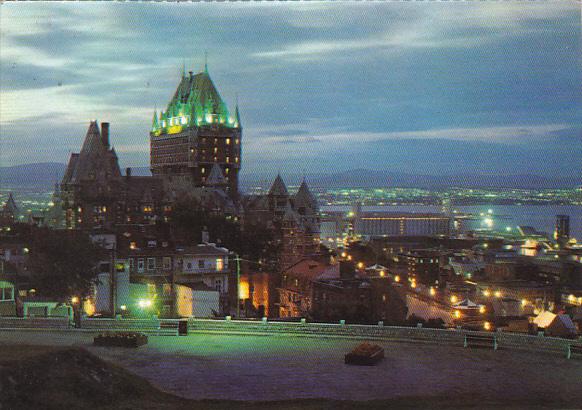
266 368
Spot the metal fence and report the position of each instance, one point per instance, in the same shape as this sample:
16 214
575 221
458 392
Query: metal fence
157 326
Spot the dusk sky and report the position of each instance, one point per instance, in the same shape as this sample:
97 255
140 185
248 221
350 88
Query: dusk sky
422 87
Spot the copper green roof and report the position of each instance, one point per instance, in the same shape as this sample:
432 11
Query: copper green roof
196 102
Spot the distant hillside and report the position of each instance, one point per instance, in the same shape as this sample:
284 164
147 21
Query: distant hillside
46 174
373 179
43 174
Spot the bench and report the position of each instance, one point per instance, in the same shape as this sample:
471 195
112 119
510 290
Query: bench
573 349
480 341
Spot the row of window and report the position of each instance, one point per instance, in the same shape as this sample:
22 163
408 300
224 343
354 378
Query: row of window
150 264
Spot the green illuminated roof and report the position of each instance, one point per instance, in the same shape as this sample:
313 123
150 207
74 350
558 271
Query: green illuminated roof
196 102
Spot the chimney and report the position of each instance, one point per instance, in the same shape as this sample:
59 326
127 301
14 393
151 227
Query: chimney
205 235
105 133
127 172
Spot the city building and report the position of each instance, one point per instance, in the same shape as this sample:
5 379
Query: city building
296 290
194 135
369 224
294 219
94 194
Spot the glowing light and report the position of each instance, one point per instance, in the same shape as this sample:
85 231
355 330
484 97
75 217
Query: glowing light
349 257
344 254
123 307
382 273
396 278
498 294
75 300
486 293
482 309
488 222
360 265
571 298
454 299
413 285
457 314
432 291
144 303
487 326
524 302
508 228
490 211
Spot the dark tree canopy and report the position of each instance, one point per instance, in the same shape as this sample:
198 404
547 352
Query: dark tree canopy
63 263
253 242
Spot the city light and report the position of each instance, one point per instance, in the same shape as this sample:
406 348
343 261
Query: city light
144 303
482 309
360 265
382 273
487 326
75 300
498 294
432 291
524 302
123 307
571 298
486 293
454 299
396 278
457 314
344 254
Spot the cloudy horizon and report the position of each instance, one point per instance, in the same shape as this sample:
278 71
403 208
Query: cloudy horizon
431 88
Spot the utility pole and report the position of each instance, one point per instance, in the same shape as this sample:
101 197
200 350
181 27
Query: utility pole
237 259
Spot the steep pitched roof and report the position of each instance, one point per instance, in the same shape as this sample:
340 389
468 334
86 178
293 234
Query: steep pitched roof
278 188
10 205
216 177
196 101
71 168
304 197
94 155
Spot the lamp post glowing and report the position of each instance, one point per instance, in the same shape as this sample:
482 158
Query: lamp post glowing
454 299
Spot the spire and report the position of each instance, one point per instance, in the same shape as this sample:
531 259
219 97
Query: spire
183 68
237 115
216 177
278 188
304 197
155 123
206 62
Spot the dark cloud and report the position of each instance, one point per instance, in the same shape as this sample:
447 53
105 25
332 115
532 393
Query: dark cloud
303 72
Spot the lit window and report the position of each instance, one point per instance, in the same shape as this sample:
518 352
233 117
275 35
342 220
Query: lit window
219 264
132 245
215 150
235 159
202 170
167 262
227 159
228 141
151 263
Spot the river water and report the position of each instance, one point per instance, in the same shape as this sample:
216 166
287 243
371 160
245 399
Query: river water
541 217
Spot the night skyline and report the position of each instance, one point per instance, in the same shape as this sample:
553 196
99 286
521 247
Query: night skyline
419 88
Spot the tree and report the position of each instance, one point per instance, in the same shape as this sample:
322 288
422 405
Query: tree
253 242
63 263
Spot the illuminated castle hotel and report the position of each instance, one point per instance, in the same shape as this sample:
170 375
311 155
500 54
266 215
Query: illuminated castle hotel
195 152
196 140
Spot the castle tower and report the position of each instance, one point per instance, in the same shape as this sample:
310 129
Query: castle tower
195 133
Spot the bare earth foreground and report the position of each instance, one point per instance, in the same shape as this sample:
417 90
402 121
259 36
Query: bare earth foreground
275 368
